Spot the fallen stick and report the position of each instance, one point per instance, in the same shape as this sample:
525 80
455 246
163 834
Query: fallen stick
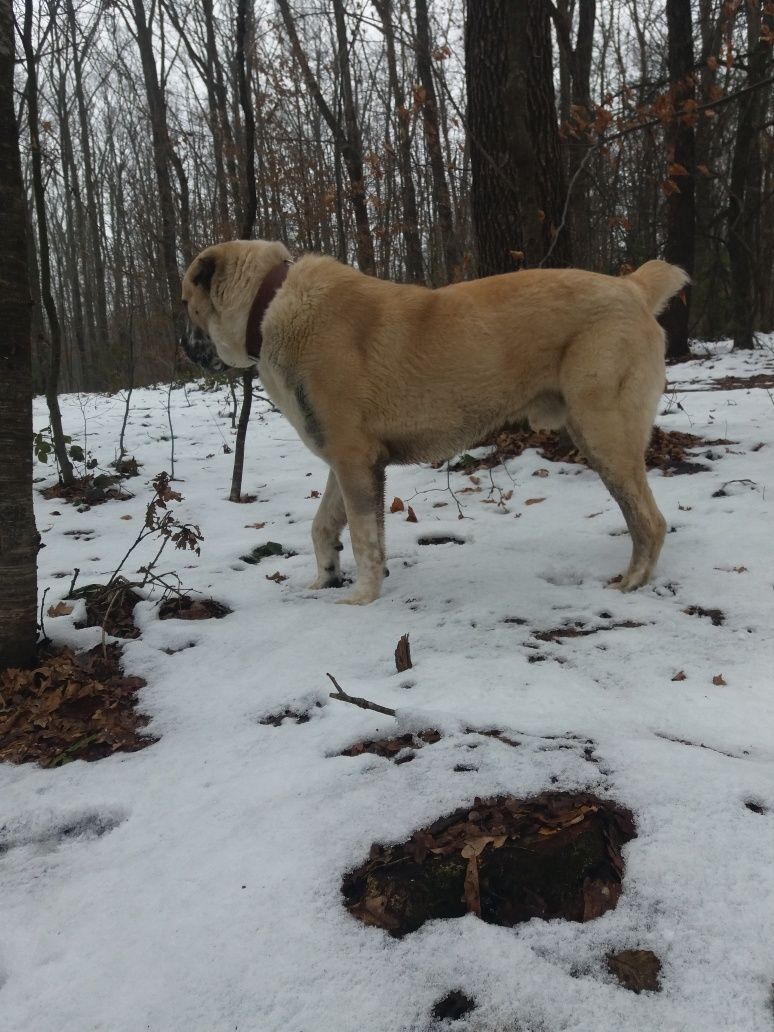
342 696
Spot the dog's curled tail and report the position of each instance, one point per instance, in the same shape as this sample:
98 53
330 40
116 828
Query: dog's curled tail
658 281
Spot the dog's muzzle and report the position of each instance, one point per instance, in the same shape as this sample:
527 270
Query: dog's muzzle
200 349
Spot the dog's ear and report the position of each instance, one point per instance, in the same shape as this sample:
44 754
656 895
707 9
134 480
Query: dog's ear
204 273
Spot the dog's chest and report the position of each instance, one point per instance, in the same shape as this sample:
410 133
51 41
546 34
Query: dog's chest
289 395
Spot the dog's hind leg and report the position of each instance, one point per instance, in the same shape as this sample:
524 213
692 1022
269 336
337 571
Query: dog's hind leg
612 429
362 487
647 527
329 521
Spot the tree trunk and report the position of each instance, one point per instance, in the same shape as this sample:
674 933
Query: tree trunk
347 141
18 536
55 332
494 193
162 156
239 448
576 109
410 224
429 104
681 211
92 213
745 187
516 154
248 115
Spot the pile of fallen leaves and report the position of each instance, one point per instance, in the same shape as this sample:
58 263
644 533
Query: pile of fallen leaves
506 860
89 490
70 707
669 450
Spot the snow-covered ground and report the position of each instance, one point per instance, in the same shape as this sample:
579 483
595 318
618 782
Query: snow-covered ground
203 894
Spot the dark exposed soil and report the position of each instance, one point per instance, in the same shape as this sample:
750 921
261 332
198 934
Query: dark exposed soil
507 860
183 607
110 606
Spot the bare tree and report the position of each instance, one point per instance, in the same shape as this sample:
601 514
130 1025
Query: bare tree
745 190
430 119
44 253
681 172
18 536
346 136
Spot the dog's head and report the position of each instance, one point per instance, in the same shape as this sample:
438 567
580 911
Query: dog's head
218 290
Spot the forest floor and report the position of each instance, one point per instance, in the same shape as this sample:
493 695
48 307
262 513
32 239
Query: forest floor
196 885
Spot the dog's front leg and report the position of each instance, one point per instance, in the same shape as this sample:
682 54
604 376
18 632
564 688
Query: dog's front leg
363 491
329 521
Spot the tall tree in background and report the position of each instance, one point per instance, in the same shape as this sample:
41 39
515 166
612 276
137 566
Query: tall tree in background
44 251
513 127
162 149
346 135
430 120
745 191
494 189
681 173
410 221
575 106
18 536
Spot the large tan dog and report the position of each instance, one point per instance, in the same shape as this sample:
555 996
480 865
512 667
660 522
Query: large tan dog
371 373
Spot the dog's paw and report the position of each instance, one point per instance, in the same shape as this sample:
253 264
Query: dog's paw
326 582
627 582
359 597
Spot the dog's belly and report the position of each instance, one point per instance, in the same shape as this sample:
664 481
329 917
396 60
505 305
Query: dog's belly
436 444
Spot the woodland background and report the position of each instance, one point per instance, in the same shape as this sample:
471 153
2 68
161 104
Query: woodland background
425 140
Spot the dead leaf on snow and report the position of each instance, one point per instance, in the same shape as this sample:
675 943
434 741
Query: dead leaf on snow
680 676
719 680
412 516
397 505
277 577
60 609
636 970
534 501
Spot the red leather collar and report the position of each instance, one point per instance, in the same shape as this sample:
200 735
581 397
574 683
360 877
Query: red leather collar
272 281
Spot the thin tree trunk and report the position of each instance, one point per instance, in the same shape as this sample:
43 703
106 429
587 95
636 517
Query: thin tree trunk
55 332
681 209
239 448
451 250
162 152
97 281
347 145
18 536
248 115
410 224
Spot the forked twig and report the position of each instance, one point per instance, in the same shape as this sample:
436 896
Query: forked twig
342 696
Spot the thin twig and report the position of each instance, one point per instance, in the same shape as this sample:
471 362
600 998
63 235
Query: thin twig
70 590
46 638
342 696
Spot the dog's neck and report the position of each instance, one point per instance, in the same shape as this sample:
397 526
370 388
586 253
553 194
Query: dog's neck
272 281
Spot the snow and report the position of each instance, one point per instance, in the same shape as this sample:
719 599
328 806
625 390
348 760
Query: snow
195 886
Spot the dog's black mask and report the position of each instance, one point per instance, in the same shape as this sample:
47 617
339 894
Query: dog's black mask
200 349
